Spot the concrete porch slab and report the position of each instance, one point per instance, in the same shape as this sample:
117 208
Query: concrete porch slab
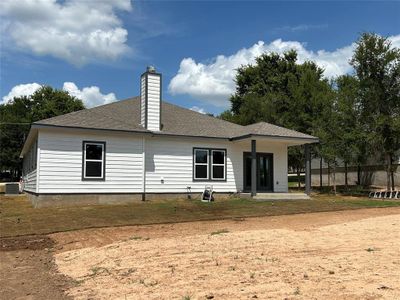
280 196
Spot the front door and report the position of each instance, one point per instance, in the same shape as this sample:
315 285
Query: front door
264 171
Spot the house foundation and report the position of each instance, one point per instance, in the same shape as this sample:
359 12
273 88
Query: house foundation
48 200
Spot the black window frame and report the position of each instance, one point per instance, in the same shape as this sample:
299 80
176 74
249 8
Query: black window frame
217 165
103 177
209 165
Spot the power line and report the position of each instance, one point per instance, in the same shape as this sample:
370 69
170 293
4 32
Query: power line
7 123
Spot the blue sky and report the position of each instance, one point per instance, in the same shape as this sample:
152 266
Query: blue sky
97 49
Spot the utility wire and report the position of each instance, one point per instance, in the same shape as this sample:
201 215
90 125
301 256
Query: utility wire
6 123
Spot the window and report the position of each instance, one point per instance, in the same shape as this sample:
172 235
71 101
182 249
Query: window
93 160
209 164
201 163
218 165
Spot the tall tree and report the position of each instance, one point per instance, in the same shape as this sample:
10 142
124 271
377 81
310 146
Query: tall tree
17 115
280 90
351 138
329 131
377 66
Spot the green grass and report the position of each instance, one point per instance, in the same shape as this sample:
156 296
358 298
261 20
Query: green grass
219 232
293 184
18 217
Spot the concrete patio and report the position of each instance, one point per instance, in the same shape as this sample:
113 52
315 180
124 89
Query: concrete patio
277 196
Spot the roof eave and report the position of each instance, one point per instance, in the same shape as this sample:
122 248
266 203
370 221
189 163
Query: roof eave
304 140
28 141
147 132
39 126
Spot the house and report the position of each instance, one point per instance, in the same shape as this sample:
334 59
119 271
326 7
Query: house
144 147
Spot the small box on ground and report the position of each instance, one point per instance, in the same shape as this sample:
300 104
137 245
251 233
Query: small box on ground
12 189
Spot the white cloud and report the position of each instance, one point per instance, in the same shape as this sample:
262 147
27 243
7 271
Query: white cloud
21 90
214 82
73 30
91 96
198 109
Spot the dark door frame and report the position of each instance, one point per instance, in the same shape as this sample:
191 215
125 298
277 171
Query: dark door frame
248 188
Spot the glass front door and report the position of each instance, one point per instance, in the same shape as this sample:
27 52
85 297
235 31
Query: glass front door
264 171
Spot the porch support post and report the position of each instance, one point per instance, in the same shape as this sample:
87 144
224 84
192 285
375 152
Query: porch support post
307 152
253 168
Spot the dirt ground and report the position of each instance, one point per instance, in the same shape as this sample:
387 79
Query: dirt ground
333 255
28 270
342 255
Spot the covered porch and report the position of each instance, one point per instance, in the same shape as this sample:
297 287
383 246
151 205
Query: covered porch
259 181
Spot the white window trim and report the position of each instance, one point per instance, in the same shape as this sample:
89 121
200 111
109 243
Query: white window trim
220 165
201 164
93 160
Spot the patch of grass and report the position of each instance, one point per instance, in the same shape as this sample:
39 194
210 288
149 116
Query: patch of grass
128 272
293 184
273 259
297 291
172 267
138 238
219 232
99 270
18 217
153 283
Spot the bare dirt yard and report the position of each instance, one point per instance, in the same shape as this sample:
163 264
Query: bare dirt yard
327 255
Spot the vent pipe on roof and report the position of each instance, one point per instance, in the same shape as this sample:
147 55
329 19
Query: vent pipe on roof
150 99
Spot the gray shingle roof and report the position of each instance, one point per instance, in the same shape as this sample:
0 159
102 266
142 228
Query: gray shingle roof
124 115
262 127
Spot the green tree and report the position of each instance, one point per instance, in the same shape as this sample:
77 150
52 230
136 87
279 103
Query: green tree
17 115
330 132
377 67
351 138
279 90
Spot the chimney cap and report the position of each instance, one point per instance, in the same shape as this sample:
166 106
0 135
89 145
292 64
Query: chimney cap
151 69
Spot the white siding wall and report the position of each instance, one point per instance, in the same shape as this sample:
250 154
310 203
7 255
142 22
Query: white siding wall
61 163
171 159
168 159
143 101
30 181
30 169
153 91
153 101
